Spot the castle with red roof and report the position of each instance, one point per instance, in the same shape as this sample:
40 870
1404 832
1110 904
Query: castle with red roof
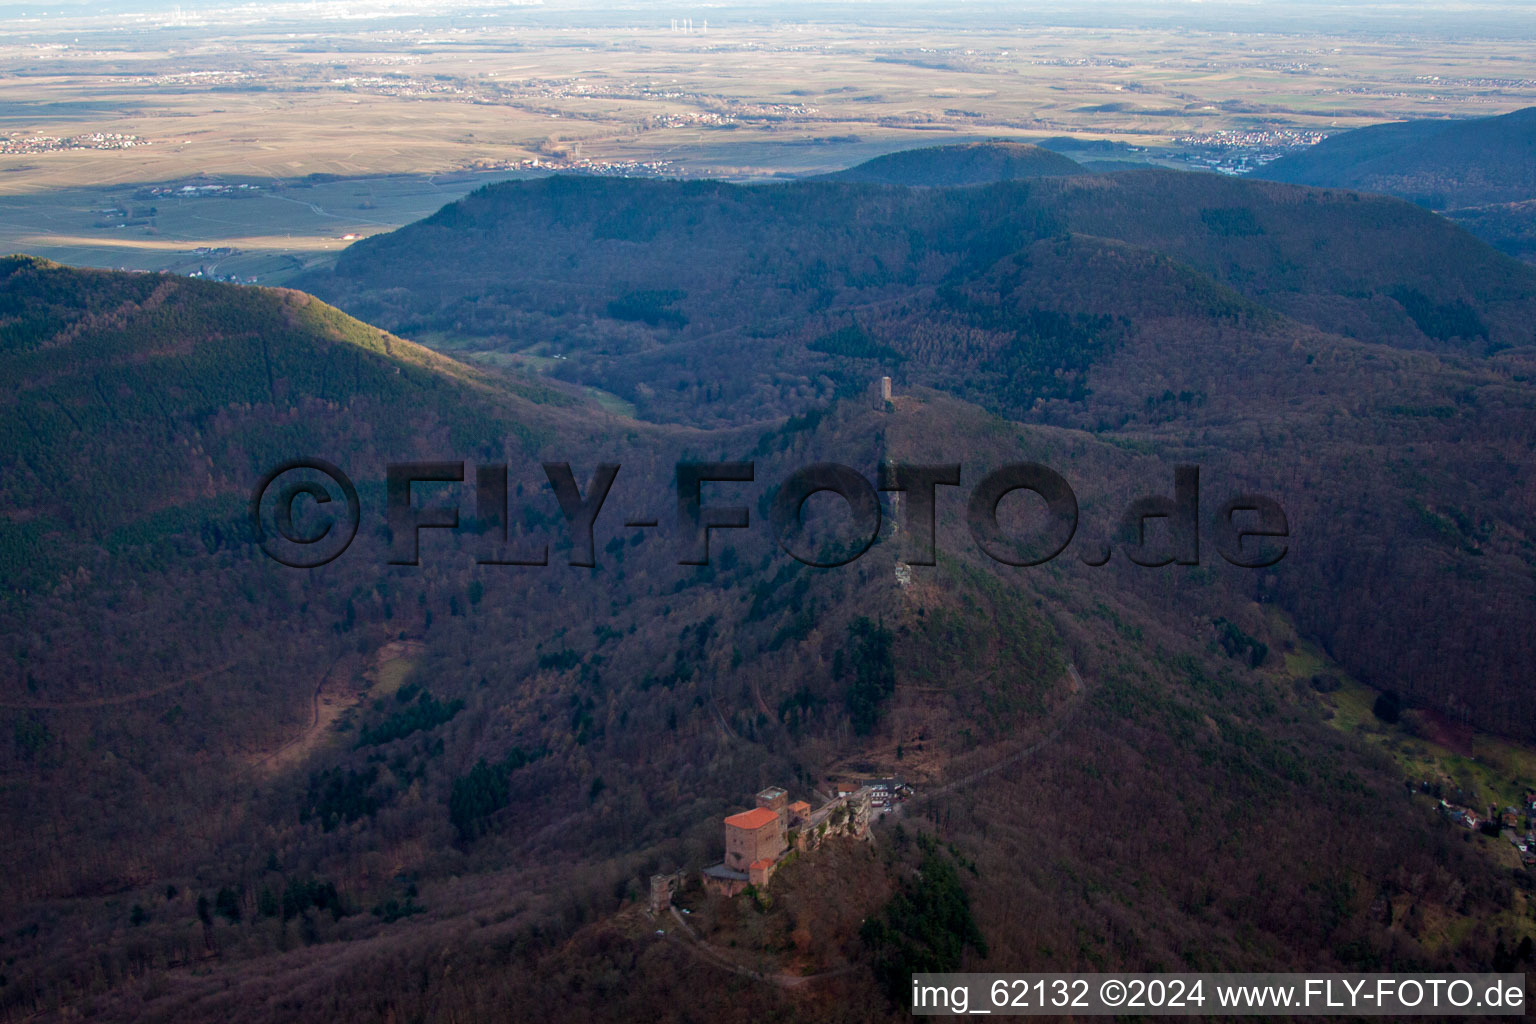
757 840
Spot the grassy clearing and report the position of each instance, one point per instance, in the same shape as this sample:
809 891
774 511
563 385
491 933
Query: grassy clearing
392 674
1494 769
1497 770
609 402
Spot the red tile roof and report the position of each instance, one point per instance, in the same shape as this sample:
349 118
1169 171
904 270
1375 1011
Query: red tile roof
762 865
752 820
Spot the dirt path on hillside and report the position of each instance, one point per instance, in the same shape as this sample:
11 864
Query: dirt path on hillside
714 705
1079 697
342 687
705 951
294 750
121 698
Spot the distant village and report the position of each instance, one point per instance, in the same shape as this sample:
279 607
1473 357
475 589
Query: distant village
583 165
758 841
190 191
1242 151
18 142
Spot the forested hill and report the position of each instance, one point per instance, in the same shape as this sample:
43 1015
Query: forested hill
1440 164
130 394
636 272
1480 173
974 163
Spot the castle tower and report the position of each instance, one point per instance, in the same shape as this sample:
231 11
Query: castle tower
777 801
882 396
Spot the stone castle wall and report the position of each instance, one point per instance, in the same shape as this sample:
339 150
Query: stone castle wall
845 816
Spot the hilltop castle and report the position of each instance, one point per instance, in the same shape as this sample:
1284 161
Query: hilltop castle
756 841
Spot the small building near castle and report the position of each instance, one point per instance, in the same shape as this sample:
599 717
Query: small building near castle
662 889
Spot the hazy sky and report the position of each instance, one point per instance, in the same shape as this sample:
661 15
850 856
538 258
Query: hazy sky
1463 18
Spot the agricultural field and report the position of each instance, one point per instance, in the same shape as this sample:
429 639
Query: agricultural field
250 230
